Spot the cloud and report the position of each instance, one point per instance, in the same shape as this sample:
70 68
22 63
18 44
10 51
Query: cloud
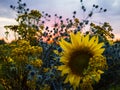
7 3
113 6
3 22
5 8
7 13
61 7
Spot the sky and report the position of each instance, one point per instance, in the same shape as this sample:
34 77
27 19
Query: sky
64 8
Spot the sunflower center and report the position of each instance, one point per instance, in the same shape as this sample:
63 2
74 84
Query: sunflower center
79 61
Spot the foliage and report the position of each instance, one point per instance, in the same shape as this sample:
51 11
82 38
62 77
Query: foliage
19 58
28 27
111 77
103 31
31 61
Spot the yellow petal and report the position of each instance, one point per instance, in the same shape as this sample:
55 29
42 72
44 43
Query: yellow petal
77 80
65 71
94 44
100 71
64 59
65 45
97 77
98 46
96 40
98 52
78 34
67 79
56 52
71 79
74 40
61 67
86 39
92 40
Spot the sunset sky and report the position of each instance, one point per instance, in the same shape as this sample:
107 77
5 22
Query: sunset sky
64 8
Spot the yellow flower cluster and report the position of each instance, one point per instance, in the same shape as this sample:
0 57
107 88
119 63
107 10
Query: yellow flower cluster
37 63
10 59
35 50
24 50
98 62
45 70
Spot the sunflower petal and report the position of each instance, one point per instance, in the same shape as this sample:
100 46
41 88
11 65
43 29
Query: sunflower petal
71 79
74 40
99 45
92 40
66 70
67 79
61 67
65 45
100 51
77 80
64 59
86 39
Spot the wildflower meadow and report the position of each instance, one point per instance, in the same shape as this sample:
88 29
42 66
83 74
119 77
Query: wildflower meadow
61 55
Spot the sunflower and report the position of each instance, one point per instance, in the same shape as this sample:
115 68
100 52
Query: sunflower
82 59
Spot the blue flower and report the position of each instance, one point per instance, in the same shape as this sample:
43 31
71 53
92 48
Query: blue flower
59 49
39 77
32 73
29 67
